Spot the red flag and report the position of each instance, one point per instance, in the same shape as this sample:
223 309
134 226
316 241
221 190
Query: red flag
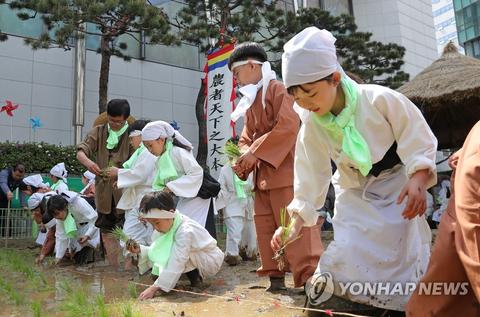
8 108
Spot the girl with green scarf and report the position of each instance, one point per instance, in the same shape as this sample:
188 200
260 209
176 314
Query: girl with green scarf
179 245
75 226
177 171
385 156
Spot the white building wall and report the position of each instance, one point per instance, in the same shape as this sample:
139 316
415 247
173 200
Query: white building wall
445 24
42 82
406 22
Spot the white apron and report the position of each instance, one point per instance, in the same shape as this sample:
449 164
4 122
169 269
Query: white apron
373 242
194 208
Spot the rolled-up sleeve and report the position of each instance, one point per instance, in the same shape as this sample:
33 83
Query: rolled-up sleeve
90 145
312 174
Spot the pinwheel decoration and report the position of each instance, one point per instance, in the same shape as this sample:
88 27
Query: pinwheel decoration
9 107
36 123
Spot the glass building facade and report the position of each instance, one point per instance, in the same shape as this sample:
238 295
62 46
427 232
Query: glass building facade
185 55
467 14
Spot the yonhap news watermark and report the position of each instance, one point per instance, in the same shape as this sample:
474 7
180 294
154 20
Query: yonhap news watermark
321 288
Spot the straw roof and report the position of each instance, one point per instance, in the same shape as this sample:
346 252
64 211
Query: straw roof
452 76
448 93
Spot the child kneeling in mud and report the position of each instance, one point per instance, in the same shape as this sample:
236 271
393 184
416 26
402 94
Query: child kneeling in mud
180 245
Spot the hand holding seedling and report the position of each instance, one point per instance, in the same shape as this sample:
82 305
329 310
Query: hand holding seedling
247 161
286 234
133 248
93 167
112 172
239 171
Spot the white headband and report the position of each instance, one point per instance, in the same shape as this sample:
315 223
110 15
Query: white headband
135 133
156 213
240 63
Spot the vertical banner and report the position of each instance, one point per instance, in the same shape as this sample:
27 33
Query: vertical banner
219 104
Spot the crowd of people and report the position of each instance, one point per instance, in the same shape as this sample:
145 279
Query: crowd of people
143 179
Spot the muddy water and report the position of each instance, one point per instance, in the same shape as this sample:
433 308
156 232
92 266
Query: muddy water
235 291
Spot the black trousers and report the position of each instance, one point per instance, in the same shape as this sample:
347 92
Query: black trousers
210 224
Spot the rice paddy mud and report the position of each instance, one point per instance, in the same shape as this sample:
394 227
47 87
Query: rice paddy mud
27 289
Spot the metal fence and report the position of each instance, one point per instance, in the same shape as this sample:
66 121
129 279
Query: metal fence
15 223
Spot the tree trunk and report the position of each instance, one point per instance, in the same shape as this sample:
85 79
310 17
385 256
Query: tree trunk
202 127
104 74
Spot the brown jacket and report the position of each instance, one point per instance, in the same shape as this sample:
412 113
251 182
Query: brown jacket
456 254
464 206
271 135
94 146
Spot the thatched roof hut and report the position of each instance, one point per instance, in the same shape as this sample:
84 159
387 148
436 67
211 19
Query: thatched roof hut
448 93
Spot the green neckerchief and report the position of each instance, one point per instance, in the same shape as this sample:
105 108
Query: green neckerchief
129 163
113 136
58 183
239 187
342 127
161 248
166 171
70 226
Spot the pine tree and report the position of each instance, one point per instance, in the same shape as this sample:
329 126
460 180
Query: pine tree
66 20
214 22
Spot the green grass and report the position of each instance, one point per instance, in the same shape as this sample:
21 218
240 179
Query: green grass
132 290
7 288
14 261
102 310
127 310
36 309
17 265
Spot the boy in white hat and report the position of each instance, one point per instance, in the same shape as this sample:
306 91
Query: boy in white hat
385 155
268 143
59 174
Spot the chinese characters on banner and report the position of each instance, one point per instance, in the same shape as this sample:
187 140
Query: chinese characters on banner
219 103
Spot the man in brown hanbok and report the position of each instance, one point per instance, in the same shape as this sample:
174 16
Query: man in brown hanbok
456 254
106 146
268 143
